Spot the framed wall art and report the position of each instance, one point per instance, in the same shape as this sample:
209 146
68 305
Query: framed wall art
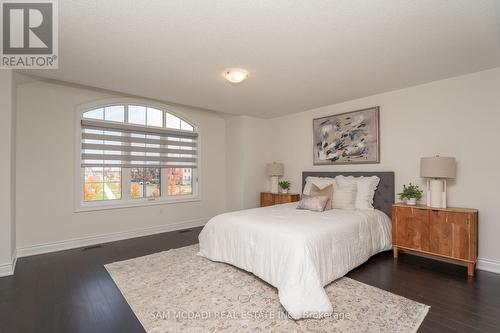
347 138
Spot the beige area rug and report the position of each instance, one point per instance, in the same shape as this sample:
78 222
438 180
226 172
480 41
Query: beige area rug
178 291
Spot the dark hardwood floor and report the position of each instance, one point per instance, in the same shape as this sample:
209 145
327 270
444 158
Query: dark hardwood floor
70 291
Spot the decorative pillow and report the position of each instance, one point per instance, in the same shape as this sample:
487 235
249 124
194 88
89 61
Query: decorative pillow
320 182
326 192
344 197
315 204
366 187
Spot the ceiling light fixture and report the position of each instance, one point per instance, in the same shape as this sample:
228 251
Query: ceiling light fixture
235 75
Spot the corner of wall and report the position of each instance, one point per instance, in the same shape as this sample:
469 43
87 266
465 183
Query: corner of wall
247 152
7 168
15 80
234 163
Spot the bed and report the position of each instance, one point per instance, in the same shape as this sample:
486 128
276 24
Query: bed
299 251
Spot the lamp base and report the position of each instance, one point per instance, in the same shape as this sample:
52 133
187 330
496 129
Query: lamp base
436 193
274 184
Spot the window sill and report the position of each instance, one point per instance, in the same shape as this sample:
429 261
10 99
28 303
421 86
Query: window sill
88 207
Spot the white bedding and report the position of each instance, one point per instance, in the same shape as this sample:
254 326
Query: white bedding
297 251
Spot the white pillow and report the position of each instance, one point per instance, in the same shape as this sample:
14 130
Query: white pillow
366 187
344 197
320 182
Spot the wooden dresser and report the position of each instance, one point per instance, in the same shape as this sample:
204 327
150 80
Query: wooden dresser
269 199
449 233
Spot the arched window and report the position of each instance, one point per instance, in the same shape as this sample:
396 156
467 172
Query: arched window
132 153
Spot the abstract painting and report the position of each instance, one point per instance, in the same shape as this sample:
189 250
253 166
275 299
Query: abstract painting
347 138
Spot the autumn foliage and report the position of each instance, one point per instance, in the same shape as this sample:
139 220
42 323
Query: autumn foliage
136 191
174 178
92 188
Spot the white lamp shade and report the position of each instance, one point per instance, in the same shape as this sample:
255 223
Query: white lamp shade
275 169
438 167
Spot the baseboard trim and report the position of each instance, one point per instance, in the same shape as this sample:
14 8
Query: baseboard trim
94 240
8 268
488 265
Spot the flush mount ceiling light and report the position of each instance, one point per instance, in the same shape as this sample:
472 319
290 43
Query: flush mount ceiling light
235 75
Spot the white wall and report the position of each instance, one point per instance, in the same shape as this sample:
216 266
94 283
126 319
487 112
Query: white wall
248 151
235 180
45 170
7 170
457 117
13 170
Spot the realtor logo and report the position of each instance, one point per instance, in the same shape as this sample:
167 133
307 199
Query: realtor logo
29 34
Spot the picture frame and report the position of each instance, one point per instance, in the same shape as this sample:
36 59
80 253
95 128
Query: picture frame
347 138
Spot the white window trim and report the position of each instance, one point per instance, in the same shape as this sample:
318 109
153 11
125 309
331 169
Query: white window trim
126 201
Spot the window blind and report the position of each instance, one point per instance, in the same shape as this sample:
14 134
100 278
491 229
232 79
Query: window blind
133 146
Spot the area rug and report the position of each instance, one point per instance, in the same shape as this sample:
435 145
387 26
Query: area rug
178 291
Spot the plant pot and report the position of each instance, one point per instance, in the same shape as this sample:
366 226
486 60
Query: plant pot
284 191
411 201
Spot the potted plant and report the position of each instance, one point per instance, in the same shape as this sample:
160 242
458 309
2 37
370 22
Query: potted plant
411 194
285 186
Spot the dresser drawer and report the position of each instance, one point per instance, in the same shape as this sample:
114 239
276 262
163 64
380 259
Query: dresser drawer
266 199
411 228
450 234
269 199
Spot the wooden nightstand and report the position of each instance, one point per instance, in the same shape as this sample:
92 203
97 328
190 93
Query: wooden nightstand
269 199
449 233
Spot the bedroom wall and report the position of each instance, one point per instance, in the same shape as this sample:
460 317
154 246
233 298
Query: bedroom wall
235 181
7 170
457 117
45 171
247 152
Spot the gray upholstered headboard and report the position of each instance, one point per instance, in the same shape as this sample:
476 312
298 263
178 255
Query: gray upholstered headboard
384 196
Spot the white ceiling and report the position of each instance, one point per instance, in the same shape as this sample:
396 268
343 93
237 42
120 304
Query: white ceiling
301 54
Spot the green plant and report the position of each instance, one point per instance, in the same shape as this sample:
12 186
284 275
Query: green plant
285 184
411 191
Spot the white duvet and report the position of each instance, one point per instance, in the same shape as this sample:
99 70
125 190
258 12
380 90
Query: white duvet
297 251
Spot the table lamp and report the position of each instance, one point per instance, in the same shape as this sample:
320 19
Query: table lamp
275 170
437 169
